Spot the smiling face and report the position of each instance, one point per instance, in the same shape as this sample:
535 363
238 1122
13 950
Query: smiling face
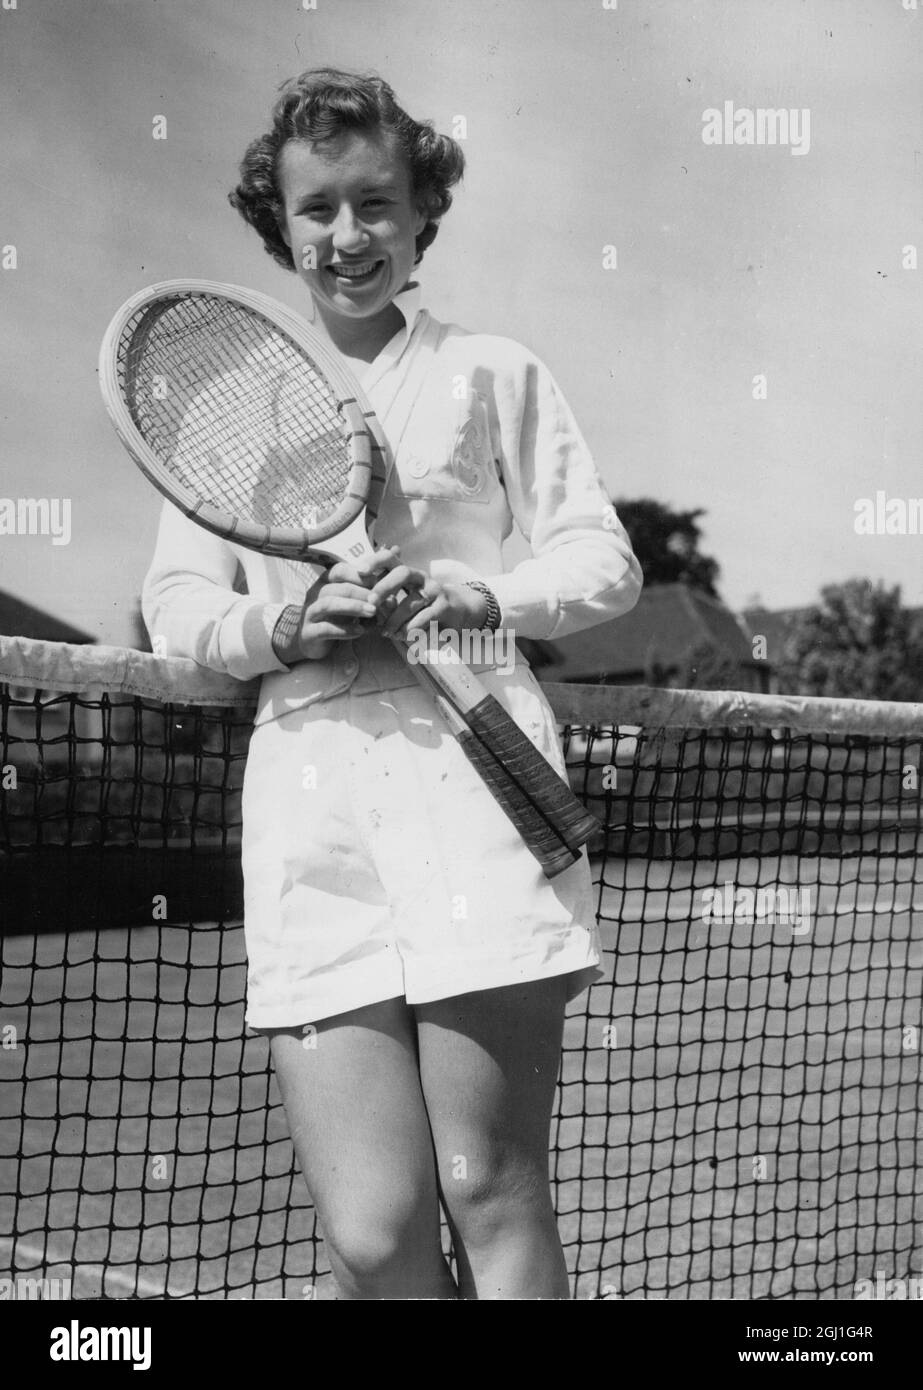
349 201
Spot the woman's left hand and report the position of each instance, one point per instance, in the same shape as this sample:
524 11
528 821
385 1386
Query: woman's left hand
452 607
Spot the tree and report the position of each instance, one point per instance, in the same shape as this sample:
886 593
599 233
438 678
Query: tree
666 543
859 641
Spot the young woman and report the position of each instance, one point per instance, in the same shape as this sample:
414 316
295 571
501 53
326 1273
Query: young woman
407 957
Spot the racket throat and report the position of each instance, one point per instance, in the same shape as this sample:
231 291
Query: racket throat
350 545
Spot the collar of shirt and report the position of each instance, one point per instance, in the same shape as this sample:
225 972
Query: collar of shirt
409 302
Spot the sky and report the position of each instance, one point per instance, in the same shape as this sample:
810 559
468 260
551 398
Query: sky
583 126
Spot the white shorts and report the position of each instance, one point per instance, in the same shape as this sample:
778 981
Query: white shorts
377 865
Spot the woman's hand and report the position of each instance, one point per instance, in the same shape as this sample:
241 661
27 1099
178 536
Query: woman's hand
450 606
380 591
340 606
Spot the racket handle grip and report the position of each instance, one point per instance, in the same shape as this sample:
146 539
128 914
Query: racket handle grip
540 783
537 834
528 788
540 837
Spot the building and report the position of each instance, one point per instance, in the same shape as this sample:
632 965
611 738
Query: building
20 619
62 730
674 636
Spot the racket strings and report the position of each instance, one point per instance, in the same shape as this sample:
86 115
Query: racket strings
236 412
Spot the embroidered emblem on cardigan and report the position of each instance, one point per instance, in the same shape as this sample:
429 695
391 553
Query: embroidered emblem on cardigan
469 458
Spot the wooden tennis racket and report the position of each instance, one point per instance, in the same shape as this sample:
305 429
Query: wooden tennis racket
245 419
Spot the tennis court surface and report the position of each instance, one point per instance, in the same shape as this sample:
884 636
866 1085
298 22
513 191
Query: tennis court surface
739 1107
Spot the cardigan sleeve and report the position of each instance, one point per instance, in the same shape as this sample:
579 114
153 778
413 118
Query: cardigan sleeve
582 570
190 604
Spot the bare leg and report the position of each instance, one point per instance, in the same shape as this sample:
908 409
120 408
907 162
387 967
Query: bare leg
360 1129
488 1063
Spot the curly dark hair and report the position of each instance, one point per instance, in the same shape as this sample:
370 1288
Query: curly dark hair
320 104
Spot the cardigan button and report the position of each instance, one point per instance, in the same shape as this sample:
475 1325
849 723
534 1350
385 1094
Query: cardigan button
418 468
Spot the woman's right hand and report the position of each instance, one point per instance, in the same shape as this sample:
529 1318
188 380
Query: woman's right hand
338 607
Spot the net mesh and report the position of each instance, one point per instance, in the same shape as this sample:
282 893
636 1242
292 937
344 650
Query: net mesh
738 1108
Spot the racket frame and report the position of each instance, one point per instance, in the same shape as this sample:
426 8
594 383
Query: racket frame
285 542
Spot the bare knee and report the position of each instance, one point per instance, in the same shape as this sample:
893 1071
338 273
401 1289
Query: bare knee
485 1203
366 1256
383 1252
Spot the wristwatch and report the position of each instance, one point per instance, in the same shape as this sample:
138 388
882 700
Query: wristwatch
494 615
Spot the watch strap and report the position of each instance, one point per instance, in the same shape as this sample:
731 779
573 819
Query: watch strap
494 616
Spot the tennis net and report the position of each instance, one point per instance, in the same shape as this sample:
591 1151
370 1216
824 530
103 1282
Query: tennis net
738 1108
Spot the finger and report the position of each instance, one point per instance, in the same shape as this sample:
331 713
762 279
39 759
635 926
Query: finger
333 629
336 632
413 607
364 570
377 562
338 607
398 616
344 573
386 607
351 590
402 577
429 613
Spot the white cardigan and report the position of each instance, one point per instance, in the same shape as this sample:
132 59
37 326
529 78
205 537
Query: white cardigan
480 437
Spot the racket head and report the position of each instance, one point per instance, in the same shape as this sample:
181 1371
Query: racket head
241 415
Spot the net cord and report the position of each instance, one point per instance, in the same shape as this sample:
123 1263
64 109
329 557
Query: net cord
74 669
